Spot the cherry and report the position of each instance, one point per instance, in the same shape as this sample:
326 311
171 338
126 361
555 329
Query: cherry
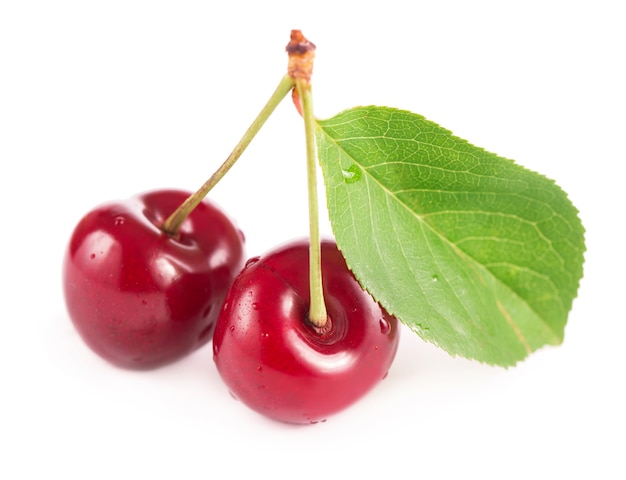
276 361
140 297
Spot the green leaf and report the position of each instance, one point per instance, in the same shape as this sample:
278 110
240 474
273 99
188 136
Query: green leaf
473 252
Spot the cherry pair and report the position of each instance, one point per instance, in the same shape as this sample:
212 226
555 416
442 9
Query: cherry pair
142 298
150 279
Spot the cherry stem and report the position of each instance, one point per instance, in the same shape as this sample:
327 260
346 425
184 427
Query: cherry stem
172 224
317 313
301 55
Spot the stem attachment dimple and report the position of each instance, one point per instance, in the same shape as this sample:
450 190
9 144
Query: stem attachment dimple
301 53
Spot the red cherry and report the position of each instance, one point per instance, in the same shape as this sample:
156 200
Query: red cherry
139 297
276 362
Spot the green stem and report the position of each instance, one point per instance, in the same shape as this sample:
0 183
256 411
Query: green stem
317 313
172 225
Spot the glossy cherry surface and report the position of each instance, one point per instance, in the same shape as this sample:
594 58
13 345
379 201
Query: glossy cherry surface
139 297
273 359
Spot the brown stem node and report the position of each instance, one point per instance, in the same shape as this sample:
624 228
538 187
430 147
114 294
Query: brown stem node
301 54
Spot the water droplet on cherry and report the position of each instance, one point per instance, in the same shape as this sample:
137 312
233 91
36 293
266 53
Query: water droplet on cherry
118 221
92 256
259 369
232 328
242 236
255 306
251 261
385 326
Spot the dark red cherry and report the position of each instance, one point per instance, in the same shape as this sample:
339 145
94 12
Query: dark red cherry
139 297
276 362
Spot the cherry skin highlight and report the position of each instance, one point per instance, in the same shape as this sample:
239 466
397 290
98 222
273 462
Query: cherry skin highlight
276 362
139 297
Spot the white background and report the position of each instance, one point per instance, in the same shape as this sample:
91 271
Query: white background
102 100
